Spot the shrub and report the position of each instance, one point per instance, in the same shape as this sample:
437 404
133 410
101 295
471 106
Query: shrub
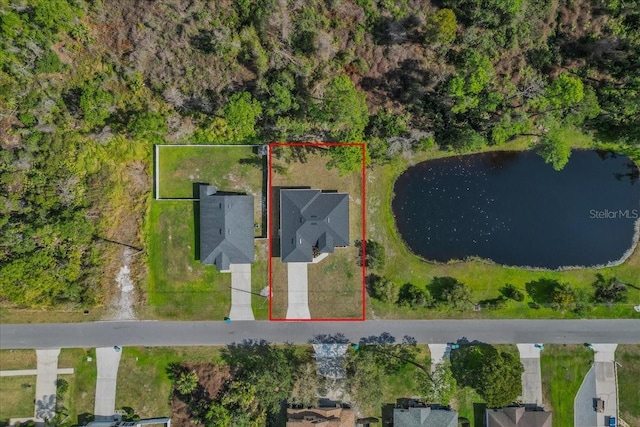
382 289
609 290
375 257
511 292
412 296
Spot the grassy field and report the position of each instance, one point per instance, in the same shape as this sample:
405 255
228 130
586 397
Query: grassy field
80 398
179 286
628 356
485 279
563 369
237 169
143 382
16 397
335 283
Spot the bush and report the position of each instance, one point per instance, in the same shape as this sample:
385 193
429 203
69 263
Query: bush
511 292
609 290
449 291
382 289
375 257
412 296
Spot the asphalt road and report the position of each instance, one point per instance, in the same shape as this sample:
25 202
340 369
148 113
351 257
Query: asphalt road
152 333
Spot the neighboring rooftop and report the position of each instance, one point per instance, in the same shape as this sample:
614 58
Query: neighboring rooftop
518 417
226 228
312 223
414 413
321 417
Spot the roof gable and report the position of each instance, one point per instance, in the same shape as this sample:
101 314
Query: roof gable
226 228
311 218
424 417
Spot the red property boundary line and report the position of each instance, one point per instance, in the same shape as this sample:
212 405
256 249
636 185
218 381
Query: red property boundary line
270 231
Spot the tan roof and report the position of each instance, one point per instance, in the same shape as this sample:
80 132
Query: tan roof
518 417
321 417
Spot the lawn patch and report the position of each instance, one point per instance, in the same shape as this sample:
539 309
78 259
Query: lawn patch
563 369
628 357
82 384
16 397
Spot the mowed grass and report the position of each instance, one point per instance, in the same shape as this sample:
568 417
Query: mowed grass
563 369
232 169
80 398
469 405
17 396
628 357
484 278
143 380
179 286
17 359
335 283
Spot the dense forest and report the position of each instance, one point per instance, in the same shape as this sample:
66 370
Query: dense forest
87 88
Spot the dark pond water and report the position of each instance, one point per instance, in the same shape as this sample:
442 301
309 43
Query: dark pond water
512 208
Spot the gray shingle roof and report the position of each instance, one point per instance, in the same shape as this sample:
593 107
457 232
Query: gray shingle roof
518 417
226 228
424 417
311 218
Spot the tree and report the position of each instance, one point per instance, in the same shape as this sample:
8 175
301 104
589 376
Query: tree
186 382
554 148
412 296
95 104
563 296
344 110
565 91
495 375
241 113
511 292
306 385
375 256
609 290
438 386
383 289
441 27
452 292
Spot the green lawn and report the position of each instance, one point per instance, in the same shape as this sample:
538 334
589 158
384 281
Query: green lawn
235 169
563 369
469 405
16 397
485 279
80 399
143 382
628 356
178 285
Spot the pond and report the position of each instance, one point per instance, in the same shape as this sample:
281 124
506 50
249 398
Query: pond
513 209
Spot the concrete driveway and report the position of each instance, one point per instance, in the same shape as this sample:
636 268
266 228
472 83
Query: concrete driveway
439 354
600 382
531 377
47 374
298 291
107 361
606 381
241 292
583 413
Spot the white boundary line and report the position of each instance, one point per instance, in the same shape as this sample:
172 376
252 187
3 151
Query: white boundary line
157 165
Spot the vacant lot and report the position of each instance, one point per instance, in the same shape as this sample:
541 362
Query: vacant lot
181 287
628 357
143 380
230 168
563 369
335 283
485 279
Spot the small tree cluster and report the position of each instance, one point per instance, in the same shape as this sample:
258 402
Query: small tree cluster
374 254
609 290
412 296
511 292
451 292
382 288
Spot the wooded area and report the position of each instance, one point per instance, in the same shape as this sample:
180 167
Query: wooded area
86 88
